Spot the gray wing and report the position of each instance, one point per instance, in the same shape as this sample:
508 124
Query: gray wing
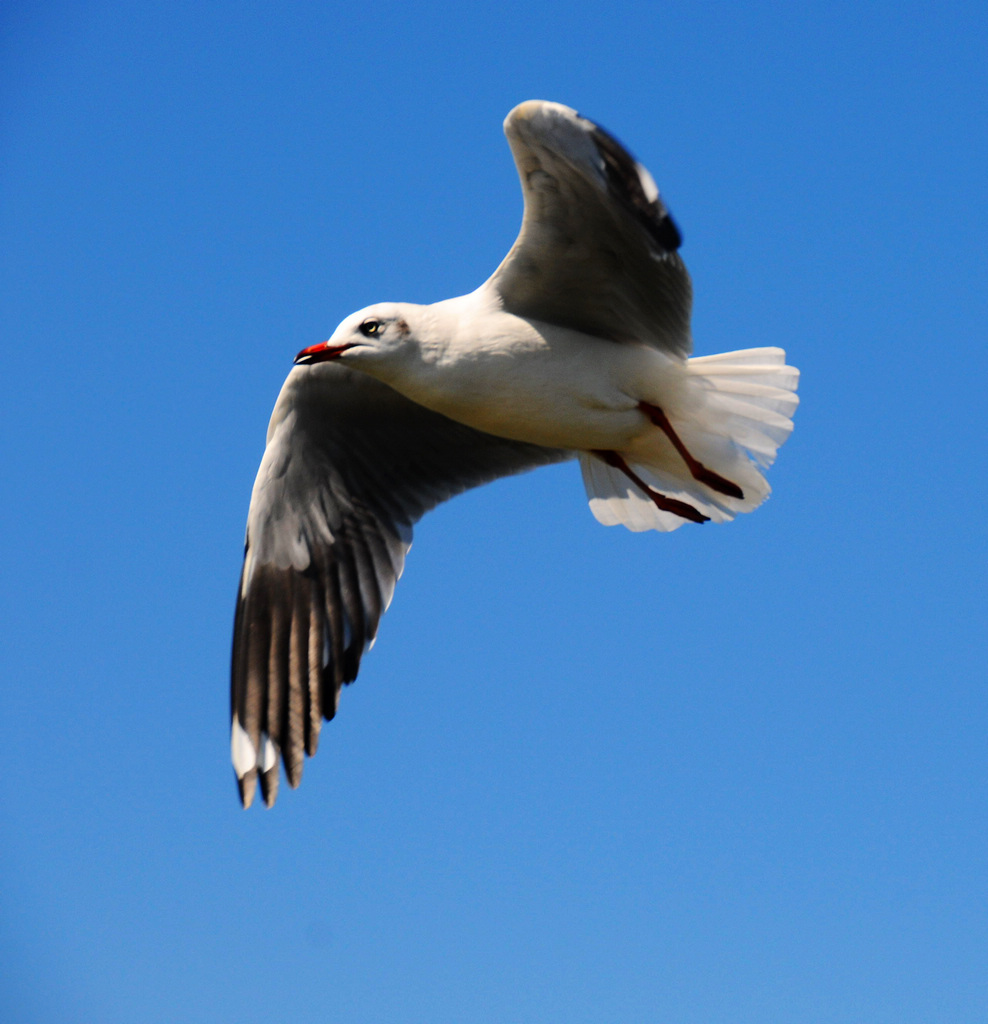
597 248
349 466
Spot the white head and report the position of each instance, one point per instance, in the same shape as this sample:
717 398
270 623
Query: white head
375 335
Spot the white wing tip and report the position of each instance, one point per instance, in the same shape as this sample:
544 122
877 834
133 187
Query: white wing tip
242 751
269 753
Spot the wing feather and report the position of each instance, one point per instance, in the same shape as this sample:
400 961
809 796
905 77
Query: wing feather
349 466
597 247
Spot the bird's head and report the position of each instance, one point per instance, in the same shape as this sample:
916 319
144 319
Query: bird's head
375 335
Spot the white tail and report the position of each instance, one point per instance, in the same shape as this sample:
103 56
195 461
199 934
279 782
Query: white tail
732 413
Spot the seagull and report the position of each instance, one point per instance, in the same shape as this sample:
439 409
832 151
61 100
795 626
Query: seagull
576 348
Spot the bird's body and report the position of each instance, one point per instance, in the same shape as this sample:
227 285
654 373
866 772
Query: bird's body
577 347
522 379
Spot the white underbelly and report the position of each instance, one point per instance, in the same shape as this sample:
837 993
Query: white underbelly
550 419
549 386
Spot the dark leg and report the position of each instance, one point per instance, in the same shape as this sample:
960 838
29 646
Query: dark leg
697 468
677 508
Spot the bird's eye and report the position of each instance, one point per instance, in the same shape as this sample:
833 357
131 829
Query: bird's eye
370 327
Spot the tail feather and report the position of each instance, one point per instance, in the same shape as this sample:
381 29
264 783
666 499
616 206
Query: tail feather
732 413
615 500
769 356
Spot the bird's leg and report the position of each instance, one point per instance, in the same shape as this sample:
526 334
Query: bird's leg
698 470
661 501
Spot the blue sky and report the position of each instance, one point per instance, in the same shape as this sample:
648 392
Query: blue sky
731 774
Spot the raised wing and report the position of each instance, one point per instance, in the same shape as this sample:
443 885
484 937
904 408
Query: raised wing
597 248
349 466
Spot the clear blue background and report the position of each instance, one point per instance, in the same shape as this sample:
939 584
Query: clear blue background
736 774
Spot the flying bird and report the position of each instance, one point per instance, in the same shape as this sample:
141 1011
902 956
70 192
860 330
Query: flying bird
576 348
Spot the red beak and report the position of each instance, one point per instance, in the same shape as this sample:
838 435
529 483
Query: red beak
320 353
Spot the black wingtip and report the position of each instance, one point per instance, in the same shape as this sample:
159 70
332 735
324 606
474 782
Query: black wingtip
269 785
667 233
246 787
625 178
